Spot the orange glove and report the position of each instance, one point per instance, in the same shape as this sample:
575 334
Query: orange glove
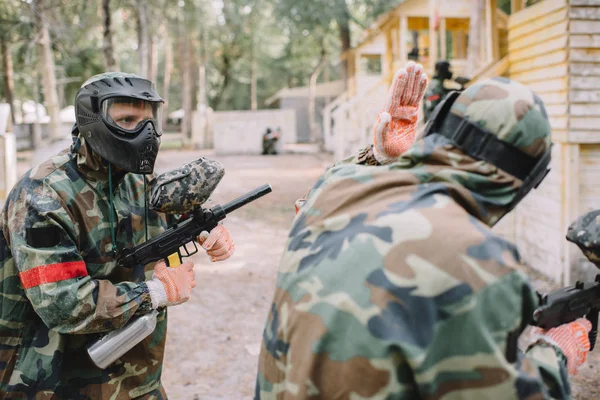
396 126
171 286
572 338
218 244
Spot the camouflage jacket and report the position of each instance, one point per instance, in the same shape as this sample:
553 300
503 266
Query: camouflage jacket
393 286
61 289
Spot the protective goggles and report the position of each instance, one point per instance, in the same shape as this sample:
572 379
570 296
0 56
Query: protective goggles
129 115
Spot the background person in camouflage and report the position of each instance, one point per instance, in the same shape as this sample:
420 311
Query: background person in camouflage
60 230
436 92
393 286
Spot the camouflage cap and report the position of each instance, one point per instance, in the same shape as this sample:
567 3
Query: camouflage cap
110 75
509 110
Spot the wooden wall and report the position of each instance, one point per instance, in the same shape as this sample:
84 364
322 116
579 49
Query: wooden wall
538 58
554 48
584 117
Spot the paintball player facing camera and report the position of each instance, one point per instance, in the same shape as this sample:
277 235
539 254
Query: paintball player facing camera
61 228
392 283
436 91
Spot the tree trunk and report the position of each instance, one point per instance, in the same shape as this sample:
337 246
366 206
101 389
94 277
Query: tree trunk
48 74
253 77
167 79
315 135
186 123
9 83
343 22
142 33
225 71
153 59
474 46
108 48
37 127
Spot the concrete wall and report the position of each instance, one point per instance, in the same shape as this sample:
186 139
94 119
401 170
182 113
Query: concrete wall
240 132
300 105
24 134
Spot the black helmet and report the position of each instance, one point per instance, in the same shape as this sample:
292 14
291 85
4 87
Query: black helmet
442 70
120 116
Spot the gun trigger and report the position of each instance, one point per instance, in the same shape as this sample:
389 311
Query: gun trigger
174 260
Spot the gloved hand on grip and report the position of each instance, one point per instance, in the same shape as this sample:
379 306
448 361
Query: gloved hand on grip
171 286
396 127
572 338
218 244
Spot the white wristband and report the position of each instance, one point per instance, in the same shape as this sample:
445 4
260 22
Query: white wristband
157 293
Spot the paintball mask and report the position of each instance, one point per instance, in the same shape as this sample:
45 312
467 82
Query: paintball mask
442 70
481 144
120 117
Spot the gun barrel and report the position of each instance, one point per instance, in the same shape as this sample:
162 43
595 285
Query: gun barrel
247 198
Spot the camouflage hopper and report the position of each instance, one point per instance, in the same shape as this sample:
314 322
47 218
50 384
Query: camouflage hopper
186 188
585 233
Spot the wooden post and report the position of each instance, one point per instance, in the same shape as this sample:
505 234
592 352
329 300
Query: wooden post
403 36
443 42
432 36
455 53
8 164
461 45
570 202
495 38
516 6
388 58
492 49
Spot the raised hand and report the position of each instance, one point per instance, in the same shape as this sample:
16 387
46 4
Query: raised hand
396 126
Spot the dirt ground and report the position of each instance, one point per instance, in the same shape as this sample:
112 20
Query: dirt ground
213 339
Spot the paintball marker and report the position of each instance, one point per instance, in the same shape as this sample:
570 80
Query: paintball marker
169 243
181 191
582 299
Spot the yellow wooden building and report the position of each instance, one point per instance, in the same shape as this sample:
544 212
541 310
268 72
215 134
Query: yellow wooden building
553 47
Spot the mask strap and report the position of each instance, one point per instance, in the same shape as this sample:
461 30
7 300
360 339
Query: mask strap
111 213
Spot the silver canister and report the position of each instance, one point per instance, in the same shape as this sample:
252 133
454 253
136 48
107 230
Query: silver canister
112 346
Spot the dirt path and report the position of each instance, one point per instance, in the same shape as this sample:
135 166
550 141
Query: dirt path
213 340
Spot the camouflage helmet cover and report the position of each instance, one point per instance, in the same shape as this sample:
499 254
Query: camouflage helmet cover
502 122
508 110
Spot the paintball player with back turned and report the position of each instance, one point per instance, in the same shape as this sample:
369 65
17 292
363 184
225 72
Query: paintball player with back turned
393 285
61 228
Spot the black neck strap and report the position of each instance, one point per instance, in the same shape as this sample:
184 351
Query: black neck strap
482 145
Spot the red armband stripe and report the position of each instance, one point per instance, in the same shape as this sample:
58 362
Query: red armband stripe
53 273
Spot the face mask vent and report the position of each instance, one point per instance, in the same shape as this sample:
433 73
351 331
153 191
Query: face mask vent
86 118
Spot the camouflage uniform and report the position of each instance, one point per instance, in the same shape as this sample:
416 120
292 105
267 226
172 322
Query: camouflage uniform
393 286
61 289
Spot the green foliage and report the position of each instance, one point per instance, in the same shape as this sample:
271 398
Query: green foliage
286 38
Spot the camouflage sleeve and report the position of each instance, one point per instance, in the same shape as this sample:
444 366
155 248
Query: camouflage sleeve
547 359
491 330
54 276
